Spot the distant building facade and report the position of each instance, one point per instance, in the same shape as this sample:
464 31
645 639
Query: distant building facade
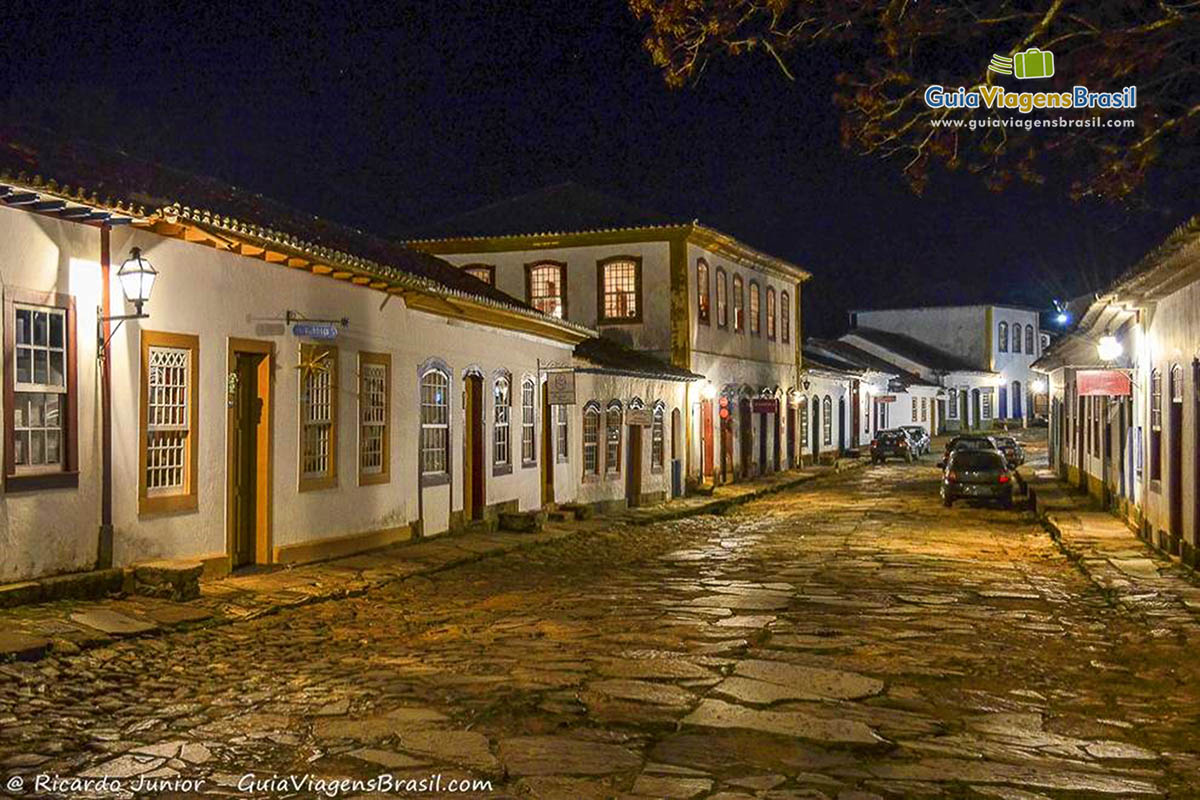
690 295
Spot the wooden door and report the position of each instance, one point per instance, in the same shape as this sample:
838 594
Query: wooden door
746 437
547 449
726 448
706 438
473 450
763 464
791 436
1175 444
633 467
248 453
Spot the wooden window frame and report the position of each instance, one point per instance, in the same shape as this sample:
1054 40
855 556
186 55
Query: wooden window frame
722 299
562 434
703 293
772 312
601 317
442 478
658 424
827 421
189 499
502 467
737 299
615 471
384 360
593 408
529 424
562 274
68 476
491 271
308 352
785 317
755 307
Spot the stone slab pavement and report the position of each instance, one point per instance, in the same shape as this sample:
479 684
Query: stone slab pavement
1131 574
29 633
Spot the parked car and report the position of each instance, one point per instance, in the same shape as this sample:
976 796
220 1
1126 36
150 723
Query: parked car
968 442
919 436
891 443
977 475
1013 452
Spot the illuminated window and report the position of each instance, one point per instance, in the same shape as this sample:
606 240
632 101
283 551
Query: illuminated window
435 423
985 401
528 440
374 417
1002 337
739 305
924 409
785 317
612 439
656 438
483 272
170 364
501 410
722 299
591 439
827 420
318 416
545 286
702 309
620 290
755 310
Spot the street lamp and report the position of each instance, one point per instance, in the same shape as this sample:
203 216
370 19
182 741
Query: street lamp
137 281
708 391
1038 386
1108 348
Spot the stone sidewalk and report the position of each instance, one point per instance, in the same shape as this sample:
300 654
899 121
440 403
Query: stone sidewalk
1131 574
28 633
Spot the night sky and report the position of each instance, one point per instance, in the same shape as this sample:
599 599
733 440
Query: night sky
392 116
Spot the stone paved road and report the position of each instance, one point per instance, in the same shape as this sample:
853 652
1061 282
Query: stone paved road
850 639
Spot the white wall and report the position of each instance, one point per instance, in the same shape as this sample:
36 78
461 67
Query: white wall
956 329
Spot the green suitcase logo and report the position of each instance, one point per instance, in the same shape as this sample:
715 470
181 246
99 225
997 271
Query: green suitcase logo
1033 63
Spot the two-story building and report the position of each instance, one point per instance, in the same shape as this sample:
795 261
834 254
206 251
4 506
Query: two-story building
981 354
693 296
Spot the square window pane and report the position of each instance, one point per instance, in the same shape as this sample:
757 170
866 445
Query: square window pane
52 456
52 404
41 328
21 447
36 410
24 365
37 447
56 329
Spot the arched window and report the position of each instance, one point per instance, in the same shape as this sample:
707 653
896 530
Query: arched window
952 403
722 300
739 305
612 439
1002 338
528 404
591 439
1016 337
785 317
827 420
755 310
702 309
656 437
501 411
482 272
803 424
1156 412
1017 400
435 422
546 287
770 313
1029 340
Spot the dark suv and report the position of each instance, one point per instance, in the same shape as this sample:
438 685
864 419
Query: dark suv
892 443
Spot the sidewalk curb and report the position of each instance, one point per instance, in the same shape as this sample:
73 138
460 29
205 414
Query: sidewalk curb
359 586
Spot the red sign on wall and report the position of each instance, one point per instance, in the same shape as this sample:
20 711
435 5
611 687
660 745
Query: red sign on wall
760 405
1102 383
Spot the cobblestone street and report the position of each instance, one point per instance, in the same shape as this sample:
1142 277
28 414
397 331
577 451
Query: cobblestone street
850 638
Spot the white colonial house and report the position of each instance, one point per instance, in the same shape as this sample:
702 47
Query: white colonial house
981 354
690 295
1125 397
291 389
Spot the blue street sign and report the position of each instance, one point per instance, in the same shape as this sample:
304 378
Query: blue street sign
315 330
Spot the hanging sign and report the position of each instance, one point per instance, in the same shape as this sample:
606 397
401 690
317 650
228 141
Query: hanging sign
1102 383
560 388
315 330
886 398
